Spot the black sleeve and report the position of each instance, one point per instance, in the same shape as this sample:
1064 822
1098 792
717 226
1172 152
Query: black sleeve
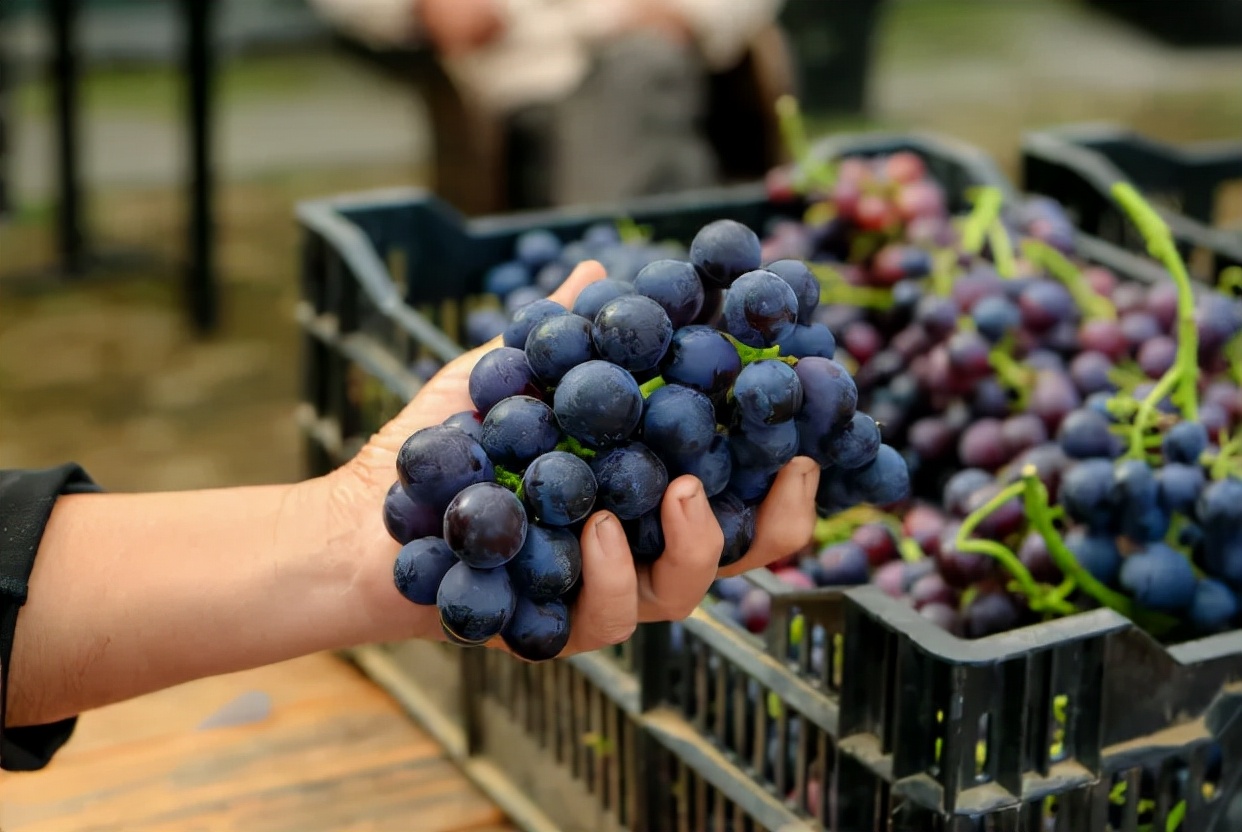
26 501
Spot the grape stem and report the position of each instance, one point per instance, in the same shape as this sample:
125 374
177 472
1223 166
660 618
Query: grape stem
509 480
986 211
750 355
1094 305
650 386
840 526
836 289
1230 280
573 446
1159 238
1010 373
810 172
943 264
1002 250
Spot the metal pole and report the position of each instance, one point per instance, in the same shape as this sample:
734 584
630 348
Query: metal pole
201 285
63 18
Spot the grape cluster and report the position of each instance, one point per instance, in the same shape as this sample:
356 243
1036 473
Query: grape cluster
705 366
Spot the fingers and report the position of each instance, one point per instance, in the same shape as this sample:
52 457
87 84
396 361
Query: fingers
607 610
786 518
673 586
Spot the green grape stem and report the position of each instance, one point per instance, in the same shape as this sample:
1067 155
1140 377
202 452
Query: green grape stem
1010 373
943 264
509 480
1161 246
572 446
651 385
1002 251
1230 280
811 173
750 355
1055 263
985 212
835 289
1142 420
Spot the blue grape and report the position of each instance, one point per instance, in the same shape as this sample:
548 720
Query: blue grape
598 404
499 374
593 297
601 234
475 604
482 325
526 318
1099 403
535 249
806 340
646 537
701 357
1086 494
1180 486
420 567
674 285
959 487
723 251
1084 434
631 480
1160 578
557 345
632 332
829 395
538 632
1220 508
995 317
990 613
679 422
713 468
855 444
552 276
1185 442
547 566
937 315
407 520
559 489
485 525
882 482
502 279
750 485
468 422
1096 552
804 284
767 392
1218 319
1044 304
843 564
1090 372
764 447
737 522
435 463
522 297
519 429
1222 555
1137 497
760 309
1214 607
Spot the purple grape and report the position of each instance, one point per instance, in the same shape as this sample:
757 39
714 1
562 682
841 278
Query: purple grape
960 486
1139 328
944 617
767 392
1035 557
737 521
932 589
517 430
632 332
435 463
536 248
802 281
559 489
982 445
1157 356
537 631
475 604
701 358
679 422
1090 372
1053 397
557 344
407 520
1044 304
990 613
593 297
960 569
598 403
1022 431
630 480
485 525
420 567
760 309
937 316
674 285
499 374
526 318
1105 337
843 564
547 566
876 541
931 438
723 251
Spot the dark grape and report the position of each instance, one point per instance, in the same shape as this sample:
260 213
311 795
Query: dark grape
932 589
737 521
896 262
750 485
970 288
1044 304
475 604
517 430
924 524
536 248
499 374
937 315
1053 397
806 340
804 284
876 541
760 309
485 525
559 489
632 332
713 468
557 345
829 400
1084 434
482 325
1137 497
843 564
764 447
960 486
882 482
855 444
1036 558
1214 607
1087 493
990 613
679 422
943 616
1156 356
502 279
435 463
1022 431
1159 578
598 403
1139 328
931 438
537 631
982 445
1096 552
862 340
526 318
547 565
1180 485
675 285
1185 442
420 567
1220 508
968 355
407 520
723 251
646 537
995 317
960 569
701 358
767 392
631 480
1005 520
593 297
468 422
1090 372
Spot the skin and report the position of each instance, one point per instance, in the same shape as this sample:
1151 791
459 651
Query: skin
132 593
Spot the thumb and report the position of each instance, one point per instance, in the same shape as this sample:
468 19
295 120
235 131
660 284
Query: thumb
583 275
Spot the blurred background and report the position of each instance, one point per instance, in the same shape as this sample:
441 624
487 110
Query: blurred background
100 358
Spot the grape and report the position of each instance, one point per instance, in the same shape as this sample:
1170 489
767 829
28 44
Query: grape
485 525
722 251
767 392
1137 494
804 284
932 589
855 444
502 279
547 566
995 317
701 358
843 564
1045 359
829 399
1156 356
1044 304
876 541
1159 578
990 613
426 367
550 278
713 468
482 325
1213 418
499 374
598 403
896 262
646 537
475 604
764 447
960 569
517 430
882 482
679 422
1104 337
960 486
632 332
559 489
805 340
407 520
435 463
943 616
750 485
737 521
420 567
1220 507
1053 397
1218 319
1005 520
937 316
1087 493
674 285
526 318
1090 373
468 422
924 524
1139 328
968 355
557 345
1214 607
1036 558
631 480
755 609
1084 434
1185 442
537 631
970 288
1022 431
1096 552
537 248
1180 485
862 341
760 309
982 445
593 297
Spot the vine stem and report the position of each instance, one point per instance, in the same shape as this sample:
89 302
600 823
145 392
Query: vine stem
1092 303
985 212
509 480
750 355
836 289
1002 250
1146 408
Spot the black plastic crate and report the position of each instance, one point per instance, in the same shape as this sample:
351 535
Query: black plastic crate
1184 22
1077 165
1068 725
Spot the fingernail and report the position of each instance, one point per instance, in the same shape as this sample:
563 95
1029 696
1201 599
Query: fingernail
610 535
693 501
810 477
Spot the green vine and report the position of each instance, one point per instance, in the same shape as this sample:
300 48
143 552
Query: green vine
984 213
573 446
811 173
1093 305
836 289
1002 250
509 480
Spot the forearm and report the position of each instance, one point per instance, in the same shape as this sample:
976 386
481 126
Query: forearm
135 592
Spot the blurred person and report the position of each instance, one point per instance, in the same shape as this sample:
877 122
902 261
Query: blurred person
610 95
104 597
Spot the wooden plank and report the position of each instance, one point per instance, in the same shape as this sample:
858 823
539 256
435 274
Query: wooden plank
307 745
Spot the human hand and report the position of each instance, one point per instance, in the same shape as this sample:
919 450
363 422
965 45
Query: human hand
616 593
660 17
460 26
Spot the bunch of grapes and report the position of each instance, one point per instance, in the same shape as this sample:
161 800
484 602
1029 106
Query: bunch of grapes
705 366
